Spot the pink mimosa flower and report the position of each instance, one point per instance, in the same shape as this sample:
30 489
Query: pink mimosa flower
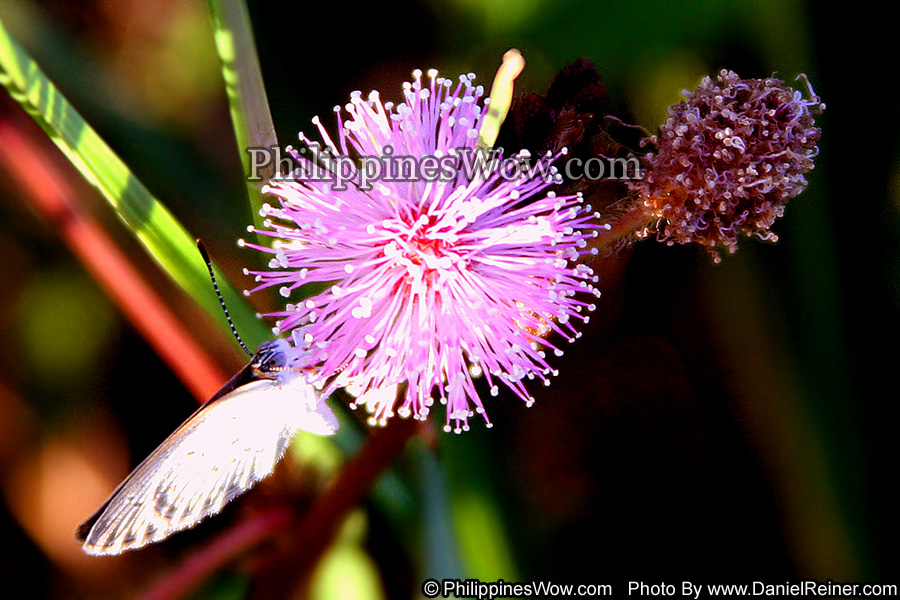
431 278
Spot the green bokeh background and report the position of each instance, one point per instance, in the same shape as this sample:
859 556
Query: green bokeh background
716 423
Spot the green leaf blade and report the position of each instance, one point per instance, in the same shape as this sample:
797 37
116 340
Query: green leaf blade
152 224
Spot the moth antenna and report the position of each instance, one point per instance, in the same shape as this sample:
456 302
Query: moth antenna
212 276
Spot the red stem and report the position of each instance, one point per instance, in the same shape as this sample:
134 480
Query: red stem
57 202
224 549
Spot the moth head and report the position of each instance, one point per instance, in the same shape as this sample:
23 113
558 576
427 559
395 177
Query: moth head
276 360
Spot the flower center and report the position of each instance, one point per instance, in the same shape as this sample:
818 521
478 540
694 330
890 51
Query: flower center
426 244
423 248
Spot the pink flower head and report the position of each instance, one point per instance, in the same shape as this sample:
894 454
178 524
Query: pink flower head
430 279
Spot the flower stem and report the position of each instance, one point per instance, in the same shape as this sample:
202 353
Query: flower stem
317 528
624 227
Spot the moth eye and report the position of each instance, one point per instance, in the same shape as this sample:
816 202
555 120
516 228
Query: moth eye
268 360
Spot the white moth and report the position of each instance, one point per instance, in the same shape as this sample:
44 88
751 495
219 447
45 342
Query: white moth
226 446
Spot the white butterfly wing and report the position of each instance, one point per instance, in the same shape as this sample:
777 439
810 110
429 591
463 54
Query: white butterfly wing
224 448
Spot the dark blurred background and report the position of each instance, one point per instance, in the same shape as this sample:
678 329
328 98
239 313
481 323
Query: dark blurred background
716 423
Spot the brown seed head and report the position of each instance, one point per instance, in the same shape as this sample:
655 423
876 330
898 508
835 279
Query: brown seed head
728 159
